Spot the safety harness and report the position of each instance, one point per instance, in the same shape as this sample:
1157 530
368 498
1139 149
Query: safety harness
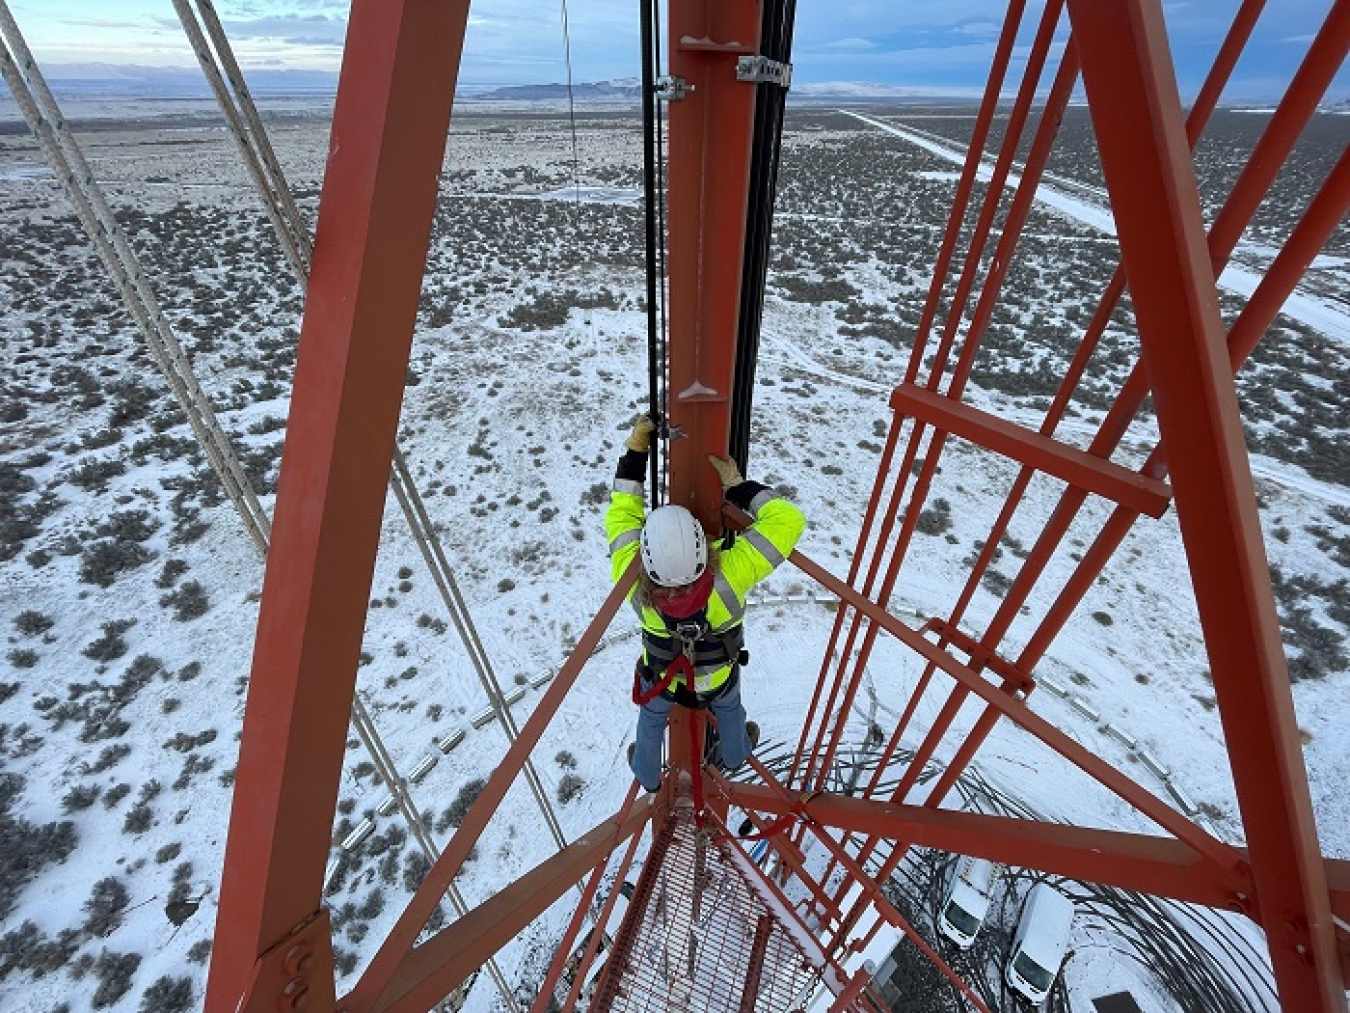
689 646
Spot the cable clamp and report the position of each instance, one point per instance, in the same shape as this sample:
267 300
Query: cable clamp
672 89
762 70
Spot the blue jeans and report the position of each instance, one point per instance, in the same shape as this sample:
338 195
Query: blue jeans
651 729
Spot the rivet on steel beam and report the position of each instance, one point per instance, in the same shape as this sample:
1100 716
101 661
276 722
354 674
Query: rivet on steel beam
297 959
294 995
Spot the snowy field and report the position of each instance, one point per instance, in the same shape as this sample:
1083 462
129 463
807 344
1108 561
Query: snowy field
130 588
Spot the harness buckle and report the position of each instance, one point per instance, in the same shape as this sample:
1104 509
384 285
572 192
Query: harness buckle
690 631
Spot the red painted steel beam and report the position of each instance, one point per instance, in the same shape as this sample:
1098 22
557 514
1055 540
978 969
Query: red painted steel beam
433 970
558 964
377 976
868 888
1165 816
1044 453
1136 110
1156 865
709 172
385 153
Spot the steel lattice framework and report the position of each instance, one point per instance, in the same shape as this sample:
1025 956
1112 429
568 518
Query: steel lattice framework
273 942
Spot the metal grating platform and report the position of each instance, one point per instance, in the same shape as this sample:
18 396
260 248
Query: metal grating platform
705 933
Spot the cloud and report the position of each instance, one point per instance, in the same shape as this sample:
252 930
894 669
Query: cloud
985 29
304 30
852 45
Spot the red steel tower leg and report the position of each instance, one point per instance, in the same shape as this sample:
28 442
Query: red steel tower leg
710 133
1137 114
386 149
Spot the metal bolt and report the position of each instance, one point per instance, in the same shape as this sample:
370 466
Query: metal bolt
294 995
297 959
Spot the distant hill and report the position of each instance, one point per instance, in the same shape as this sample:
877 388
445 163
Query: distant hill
621 89
106 80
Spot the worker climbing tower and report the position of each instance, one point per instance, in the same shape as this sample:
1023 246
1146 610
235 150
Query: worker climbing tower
766 891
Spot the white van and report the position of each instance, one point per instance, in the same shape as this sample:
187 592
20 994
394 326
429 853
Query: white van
1038 946
965 899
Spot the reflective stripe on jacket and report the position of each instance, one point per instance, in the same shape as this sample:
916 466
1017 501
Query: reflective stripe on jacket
753 555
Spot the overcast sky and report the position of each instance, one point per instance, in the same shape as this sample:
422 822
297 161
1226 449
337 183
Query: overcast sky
943 44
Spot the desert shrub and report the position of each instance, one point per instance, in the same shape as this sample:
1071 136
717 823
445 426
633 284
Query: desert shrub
137 676
114 972
102 562
32 622
182 883
199 952
1103 617
106 726
7 690
188 527
936 519
193 765
188 602
184 743
171 571
82 796
416 865
28 847
107 759
14 481
566 760
373 905
28 949
133 402
127 526
344 960
391 840
105 906
596 495
115 794
811 291
138 819
996 582
168 995
267 424
459 808
92 474
569 787
17 525
168 853
22 657
111 645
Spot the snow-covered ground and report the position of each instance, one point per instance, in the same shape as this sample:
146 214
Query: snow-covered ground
1094 210
511 428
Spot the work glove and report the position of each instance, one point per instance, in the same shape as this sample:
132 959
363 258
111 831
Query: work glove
640 439
726 471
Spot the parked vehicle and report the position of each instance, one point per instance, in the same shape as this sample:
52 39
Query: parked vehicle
1039 944
967 890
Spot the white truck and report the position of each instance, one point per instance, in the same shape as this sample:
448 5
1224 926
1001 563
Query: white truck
966 894
1039 944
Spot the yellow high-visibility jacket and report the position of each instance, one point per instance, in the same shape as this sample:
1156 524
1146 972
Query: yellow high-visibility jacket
752 555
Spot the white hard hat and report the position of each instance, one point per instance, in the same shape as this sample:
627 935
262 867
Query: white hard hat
674 549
